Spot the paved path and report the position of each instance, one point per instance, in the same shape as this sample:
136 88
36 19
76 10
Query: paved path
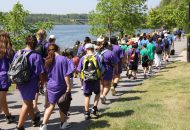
77 107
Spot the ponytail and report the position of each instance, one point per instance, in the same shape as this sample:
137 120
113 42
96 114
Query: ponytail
51 55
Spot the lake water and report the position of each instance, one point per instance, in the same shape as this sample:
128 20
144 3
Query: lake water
67 35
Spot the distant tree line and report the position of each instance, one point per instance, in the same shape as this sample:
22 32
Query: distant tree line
55 19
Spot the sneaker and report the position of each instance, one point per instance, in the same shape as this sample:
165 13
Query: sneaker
113 91
81 88
43 127
87 115
10 119
64 125
36 121
103 99
19 128
94 111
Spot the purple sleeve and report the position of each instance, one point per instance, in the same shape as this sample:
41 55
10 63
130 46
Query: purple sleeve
38 65
113 58
72 66
80 65
122 53
66 68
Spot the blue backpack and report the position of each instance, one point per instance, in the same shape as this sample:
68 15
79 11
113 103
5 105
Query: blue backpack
102 64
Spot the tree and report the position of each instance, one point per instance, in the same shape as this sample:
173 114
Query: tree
117 16
14 22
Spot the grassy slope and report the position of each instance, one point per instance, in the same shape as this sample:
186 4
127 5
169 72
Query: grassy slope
161 103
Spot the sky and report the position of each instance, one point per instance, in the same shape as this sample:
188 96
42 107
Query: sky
58 6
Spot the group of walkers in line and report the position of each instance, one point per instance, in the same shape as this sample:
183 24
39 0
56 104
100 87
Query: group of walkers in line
42 66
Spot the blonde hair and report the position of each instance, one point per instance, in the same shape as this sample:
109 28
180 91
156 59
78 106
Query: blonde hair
41 35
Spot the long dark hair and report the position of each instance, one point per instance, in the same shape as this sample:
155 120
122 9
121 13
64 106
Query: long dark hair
5 45
31 41
51 55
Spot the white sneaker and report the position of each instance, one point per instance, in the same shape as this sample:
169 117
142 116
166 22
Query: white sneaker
64 125
43 127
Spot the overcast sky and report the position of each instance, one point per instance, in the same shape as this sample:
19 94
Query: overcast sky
58 6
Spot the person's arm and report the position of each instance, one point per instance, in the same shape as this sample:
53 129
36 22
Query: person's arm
68 83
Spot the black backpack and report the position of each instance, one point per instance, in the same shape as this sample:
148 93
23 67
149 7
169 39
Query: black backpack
159 49
145 59
19 72
40 49
166 43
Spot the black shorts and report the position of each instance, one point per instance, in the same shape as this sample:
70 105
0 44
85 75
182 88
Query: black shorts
144 65
133 67
4 89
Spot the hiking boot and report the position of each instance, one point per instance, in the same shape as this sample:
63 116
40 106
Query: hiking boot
10 119
19 128
43 127
36 120
87 115
64 125
94 111
113 91
103 99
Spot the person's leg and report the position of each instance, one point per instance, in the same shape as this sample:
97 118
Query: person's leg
107 85
47 113
35 103
27 107
101 87
63 117
86 103
3 102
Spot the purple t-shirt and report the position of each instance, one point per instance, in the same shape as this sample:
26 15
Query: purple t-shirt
109 59
136 56
4 67
56 85
120 54
36 66
81 49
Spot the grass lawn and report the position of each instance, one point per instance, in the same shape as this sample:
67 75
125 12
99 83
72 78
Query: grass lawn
161 103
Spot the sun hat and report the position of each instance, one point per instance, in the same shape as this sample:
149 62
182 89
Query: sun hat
89 46
100 39
52 36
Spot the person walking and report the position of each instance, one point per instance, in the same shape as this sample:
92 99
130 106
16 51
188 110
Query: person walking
151 52
6 56
58 86
29 88
89 66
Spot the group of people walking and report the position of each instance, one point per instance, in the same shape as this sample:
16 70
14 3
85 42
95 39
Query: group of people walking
41 65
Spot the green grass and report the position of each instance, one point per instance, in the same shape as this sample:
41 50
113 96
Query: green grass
161 103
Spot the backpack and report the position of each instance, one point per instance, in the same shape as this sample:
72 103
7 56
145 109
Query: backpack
166 43
145 59
19 72
102 64
90 71
132 56
159 49
40 49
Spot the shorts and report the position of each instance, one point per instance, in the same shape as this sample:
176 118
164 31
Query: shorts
64 102
144 65
133 67
91 87
4 89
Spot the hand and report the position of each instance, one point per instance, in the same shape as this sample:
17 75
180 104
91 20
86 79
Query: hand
68 90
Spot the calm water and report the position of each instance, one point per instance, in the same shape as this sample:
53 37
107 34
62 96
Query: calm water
67 35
